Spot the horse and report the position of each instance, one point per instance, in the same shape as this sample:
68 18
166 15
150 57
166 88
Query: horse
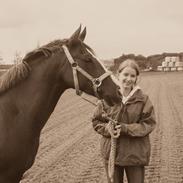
30 90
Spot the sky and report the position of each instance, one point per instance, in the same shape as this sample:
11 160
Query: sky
114 27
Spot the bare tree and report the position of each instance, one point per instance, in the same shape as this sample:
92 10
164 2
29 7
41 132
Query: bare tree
17 58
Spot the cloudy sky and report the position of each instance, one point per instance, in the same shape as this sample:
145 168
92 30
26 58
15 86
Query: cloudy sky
114 27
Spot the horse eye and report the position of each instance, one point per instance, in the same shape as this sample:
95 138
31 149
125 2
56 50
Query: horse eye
87 58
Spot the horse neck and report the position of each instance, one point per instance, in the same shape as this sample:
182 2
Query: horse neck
38 95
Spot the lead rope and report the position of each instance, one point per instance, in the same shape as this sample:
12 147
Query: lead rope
112 155
111 163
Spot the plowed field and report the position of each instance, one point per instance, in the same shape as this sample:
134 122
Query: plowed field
69 148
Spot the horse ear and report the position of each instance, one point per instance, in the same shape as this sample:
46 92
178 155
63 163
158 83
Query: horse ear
83 34
76 34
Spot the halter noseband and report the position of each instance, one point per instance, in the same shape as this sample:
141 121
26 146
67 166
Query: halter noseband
75 67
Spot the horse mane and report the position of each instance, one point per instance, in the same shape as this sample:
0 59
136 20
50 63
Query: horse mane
45 50
49 49
13 76
21 71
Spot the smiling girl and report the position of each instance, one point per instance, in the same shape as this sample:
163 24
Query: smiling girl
136 120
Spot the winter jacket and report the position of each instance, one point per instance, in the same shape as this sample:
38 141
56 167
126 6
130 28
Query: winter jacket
137 121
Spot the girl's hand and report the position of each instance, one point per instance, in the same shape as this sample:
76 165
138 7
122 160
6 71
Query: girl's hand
104 115
113 130
117 127
117 130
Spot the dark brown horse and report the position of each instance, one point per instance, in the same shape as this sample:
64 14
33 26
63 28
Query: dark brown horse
29 93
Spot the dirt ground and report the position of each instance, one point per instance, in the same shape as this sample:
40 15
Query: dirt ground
69 148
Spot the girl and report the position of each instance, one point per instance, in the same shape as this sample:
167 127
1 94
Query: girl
136 120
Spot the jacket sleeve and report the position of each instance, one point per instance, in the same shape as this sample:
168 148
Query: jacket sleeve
145 125
99 122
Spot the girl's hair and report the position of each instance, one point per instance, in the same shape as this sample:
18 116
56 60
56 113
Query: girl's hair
129 63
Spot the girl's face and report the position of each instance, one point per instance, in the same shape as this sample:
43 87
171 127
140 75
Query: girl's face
128 77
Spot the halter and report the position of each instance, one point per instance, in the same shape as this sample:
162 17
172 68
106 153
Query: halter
76 68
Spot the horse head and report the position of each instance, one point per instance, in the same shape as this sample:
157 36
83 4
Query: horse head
88 73
73 64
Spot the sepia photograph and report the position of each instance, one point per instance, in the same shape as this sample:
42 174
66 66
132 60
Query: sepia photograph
91 91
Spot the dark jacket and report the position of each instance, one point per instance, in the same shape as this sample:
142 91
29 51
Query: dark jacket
137 120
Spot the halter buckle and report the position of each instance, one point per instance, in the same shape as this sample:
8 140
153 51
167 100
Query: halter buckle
74 64
97 82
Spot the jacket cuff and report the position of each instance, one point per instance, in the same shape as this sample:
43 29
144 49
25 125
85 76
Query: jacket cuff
124 129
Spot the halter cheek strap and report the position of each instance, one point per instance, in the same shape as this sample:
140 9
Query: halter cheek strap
76 68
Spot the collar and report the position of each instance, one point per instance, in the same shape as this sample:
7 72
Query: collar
125 99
